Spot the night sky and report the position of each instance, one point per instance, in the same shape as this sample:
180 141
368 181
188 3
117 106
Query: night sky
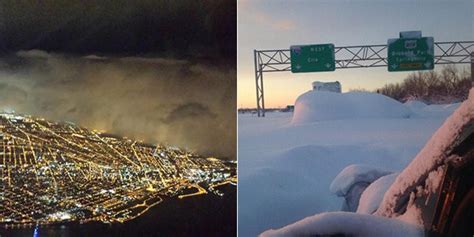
177 28
159 71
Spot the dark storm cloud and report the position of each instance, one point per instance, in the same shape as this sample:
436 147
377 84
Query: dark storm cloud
189 111
177 28
177 102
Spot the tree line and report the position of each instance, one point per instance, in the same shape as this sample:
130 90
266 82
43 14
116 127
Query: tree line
450 85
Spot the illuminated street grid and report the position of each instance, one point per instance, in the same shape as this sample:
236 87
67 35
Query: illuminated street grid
59 172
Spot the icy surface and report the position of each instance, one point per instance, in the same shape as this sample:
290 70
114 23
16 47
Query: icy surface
353 224
433 154
285 169
315 106
354 174
373 195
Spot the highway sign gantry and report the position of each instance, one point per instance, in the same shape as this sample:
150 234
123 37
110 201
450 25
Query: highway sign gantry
351 57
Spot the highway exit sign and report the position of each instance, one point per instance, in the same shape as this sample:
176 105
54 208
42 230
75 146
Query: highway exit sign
312 58
407 54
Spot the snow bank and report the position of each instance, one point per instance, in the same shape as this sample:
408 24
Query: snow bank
320 105
355 174
352 224
430 157
373 195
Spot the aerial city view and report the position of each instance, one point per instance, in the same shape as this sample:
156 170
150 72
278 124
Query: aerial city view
58 172
117 118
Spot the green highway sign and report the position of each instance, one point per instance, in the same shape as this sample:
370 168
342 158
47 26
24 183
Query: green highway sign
312 58
407 54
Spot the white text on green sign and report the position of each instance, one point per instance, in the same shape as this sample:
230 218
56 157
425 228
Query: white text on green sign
312 58
410 54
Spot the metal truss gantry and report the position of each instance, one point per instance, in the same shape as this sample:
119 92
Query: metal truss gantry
365 56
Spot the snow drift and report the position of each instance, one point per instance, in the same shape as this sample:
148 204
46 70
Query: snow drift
285 170
320 105
386 221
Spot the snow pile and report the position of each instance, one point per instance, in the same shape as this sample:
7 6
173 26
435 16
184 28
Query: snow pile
415 105
351 224
433 155
373 195
355 174
320 105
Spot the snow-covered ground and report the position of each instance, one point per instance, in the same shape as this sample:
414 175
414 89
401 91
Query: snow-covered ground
286 167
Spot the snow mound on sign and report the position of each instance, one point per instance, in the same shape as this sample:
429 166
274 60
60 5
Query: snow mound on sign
321 105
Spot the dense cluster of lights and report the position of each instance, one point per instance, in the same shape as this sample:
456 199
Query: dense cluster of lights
57 172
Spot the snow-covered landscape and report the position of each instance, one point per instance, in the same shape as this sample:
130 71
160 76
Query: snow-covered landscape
288 161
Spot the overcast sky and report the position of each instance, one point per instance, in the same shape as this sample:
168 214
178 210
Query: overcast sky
158 71
277 24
